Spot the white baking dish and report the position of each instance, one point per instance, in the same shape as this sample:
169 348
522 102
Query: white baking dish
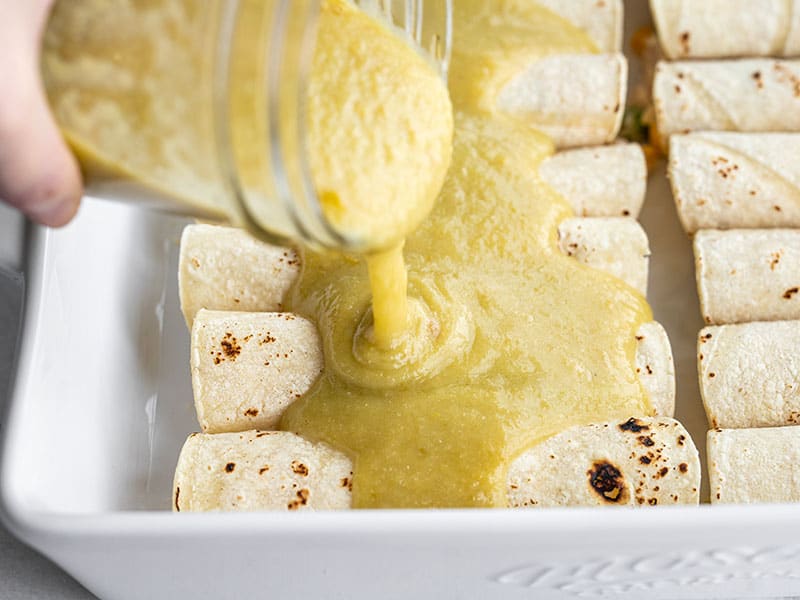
102 403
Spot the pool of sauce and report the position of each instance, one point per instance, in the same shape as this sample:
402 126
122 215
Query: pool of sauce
508 341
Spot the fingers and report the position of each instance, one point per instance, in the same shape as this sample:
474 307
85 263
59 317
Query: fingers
38 174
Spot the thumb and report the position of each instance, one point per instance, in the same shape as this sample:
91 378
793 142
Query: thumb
38 174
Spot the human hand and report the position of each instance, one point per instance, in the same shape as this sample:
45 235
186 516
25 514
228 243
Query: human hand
38 174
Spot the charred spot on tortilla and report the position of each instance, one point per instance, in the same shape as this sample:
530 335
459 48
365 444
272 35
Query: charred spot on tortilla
683 467
790 292
302 499
608 482
251 412
646 440
776 258
633 425
685 45
230 346
177 498
299 468
230 467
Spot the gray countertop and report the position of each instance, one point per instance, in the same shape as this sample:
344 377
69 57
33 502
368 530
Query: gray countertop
24 574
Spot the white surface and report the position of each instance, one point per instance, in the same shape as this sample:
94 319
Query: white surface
23 573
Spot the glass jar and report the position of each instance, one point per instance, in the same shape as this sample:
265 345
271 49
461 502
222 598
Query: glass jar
198 106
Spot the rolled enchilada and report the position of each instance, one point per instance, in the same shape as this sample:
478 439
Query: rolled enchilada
753 95
728 180
604 181
748 374
602 21
748 275
754 465
727 28
584 109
